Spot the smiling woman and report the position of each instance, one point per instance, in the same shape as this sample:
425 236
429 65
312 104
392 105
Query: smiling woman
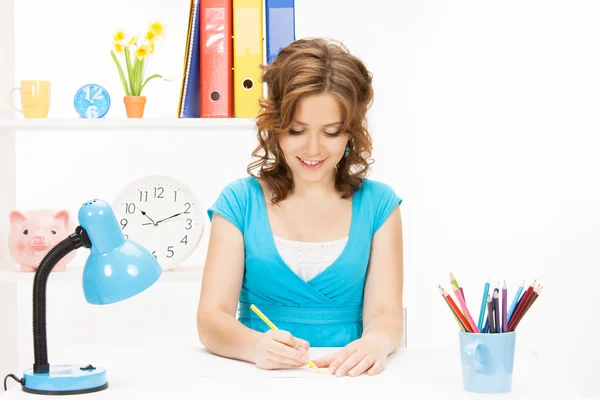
316 88
307 238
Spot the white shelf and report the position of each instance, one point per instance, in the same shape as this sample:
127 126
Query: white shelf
126 124
73 273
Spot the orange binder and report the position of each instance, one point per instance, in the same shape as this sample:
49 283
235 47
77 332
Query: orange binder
247 57
215 58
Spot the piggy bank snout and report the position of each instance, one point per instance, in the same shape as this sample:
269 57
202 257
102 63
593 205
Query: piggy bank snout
38 241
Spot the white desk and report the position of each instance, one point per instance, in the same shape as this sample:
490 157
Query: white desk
181 372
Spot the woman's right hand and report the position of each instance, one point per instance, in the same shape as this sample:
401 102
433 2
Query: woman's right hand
279 349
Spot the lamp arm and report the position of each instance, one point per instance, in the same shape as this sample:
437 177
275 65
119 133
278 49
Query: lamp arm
72 242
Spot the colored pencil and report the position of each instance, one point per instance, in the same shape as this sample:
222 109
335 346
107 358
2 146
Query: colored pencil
518 302
456 310
522 304
501 317
515 301
460 324
494 327
504 296
530 301
453 281
489 328
273 327
465 309
486 290
535 298
456 285
490 317
497 327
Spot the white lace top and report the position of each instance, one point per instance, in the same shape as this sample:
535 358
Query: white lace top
308 259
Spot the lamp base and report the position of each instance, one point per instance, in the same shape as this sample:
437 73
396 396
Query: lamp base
65 379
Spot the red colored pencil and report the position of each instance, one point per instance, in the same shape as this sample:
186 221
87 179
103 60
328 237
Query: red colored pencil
536 296
522 304
460 324
457 310
517 317
532 298
521 309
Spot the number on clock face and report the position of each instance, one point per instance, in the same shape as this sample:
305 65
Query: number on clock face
164 218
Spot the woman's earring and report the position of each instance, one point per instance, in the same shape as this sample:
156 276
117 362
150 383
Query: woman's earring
276 150
347 151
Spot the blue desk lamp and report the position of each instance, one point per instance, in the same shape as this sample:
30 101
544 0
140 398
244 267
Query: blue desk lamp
115 270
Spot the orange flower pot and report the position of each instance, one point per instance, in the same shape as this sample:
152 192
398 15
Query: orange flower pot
134 105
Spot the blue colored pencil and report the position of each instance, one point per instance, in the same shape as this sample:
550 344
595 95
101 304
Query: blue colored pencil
489 328
494 326
486 290
513 306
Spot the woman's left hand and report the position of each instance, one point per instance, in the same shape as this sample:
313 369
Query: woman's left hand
364 354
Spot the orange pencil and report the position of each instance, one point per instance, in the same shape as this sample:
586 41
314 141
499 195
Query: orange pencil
456 310
460 324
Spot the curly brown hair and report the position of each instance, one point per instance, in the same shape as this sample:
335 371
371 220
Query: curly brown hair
307 67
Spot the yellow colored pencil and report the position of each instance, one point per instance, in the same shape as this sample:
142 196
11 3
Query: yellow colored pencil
272 326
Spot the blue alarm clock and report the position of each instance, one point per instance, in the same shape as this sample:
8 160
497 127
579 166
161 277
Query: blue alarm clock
92 101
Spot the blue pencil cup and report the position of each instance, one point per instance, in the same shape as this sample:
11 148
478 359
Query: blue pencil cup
487 361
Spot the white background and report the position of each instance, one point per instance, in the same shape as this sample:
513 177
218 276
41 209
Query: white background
484 122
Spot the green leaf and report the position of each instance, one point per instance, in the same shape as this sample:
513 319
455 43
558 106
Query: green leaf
141 75
151 77
121 75
134 79
129 69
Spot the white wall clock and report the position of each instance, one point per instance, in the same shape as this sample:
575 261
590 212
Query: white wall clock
163 215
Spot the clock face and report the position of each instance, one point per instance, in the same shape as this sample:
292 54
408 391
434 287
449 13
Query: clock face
92 101
163 215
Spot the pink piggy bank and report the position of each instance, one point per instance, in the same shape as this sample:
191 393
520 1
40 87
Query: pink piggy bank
33 233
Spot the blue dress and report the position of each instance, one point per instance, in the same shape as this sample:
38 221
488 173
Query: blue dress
326 311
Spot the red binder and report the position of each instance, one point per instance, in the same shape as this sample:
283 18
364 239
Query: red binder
215 58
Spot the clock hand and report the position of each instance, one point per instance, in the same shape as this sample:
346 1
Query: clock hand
171 220
147 216
172 216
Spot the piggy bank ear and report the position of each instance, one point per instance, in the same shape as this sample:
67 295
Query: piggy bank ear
16 217
62 217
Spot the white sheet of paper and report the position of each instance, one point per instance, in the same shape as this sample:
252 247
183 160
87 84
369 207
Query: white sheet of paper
192 362
220 367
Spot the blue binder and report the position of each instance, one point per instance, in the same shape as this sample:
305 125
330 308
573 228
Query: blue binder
189 102
281 29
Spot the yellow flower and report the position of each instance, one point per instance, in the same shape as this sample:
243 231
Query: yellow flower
157 28
141 51
118 47
151 47
119 36
132 41
150 36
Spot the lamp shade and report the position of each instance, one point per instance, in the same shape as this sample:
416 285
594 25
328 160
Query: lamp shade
116 268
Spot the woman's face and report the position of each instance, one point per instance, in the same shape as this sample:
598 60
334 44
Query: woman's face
314 145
